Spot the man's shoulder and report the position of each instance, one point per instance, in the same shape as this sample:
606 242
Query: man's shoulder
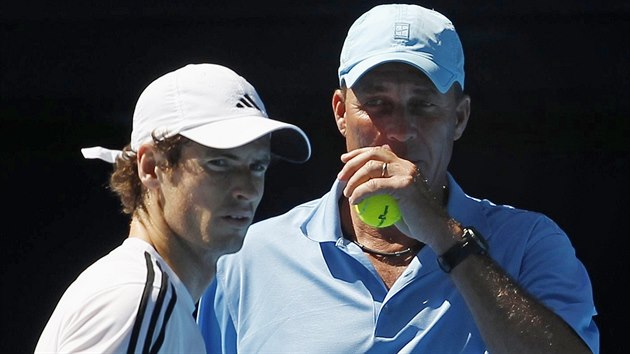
297 214
509 212
493 217
123 269
278 232
492 209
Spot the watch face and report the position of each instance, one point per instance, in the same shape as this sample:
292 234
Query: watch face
475 235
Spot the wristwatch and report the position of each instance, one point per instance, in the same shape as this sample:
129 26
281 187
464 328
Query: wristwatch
472 243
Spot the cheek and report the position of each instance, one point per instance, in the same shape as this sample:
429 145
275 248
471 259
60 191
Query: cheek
361 131
194 199
205 196
198 208
261 189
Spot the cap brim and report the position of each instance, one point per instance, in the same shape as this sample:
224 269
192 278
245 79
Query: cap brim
441 78
288 141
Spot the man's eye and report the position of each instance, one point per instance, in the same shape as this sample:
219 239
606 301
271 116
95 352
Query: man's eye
377 106
218 163
259 167
374 102
422 104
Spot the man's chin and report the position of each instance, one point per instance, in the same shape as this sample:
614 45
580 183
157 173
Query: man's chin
232 245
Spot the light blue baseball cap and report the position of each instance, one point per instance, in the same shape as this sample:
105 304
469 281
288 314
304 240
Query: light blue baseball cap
403 33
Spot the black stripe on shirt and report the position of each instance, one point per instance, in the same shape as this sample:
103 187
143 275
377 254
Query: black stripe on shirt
146 293
156 310
167 316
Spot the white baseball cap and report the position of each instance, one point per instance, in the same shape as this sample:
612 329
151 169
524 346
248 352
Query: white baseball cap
213 106
410 34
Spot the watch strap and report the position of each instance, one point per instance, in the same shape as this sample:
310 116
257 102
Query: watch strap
472 243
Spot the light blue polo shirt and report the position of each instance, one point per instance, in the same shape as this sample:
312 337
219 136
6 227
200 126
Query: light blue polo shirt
298 286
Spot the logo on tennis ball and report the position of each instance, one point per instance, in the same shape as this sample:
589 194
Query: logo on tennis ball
380 210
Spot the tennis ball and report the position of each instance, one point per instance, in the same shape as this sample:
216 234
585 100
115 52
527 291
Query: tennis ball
380 210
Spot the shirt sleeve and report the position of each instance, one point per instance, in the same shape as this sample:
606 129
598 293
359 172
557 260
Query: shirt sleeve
109 321
552 273
100 323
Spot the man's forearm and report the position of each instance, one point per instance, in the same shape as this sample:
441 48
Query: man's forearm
509 319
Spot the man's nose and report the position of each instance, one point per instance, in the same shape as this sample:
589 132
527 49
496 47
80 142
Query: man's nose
401 128
247 187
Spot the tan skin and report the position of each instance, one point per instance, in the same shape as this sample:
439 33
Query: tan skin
201 208
395 114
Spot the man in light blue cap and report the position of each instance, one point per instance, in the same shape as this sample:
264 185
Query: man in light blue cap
455 274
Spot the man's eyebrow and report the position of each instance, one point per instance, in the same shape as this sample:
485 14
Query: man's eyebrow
214 153
377 87
425 90
371 87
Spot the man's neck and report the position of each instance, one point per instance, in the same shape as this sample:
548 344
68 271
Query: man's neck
194 267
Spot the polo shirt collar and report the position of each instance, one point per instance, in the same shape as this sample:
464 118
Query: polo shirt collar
324 223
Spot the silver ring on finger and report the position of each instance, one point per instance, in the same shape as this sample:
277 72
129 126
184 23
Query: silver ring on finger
384 170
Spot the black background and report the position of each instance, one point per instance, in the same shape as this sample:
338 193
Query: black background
549 82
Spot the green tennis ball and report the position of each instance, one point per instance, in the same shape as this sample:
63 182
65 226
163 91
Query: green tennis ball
380 210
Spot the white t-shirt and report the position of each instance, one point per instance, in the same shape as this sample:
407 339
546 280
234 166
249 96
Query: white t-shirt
128 301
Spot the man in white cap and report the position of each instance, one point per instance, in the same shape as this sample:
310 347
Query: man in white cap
454 275
191 179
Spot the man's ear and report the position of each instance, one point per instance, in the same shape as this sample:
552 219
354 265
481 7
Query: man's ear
148 166
462 112
339 110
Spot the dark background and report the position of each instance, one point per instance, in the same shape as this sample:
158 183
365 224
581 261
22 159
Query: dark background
549 82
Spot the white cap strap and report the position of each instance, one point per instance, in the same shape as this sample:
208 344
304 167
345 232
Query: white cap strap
98 152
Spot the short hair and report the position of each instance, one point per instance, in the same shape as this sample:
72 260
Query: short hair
124 180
